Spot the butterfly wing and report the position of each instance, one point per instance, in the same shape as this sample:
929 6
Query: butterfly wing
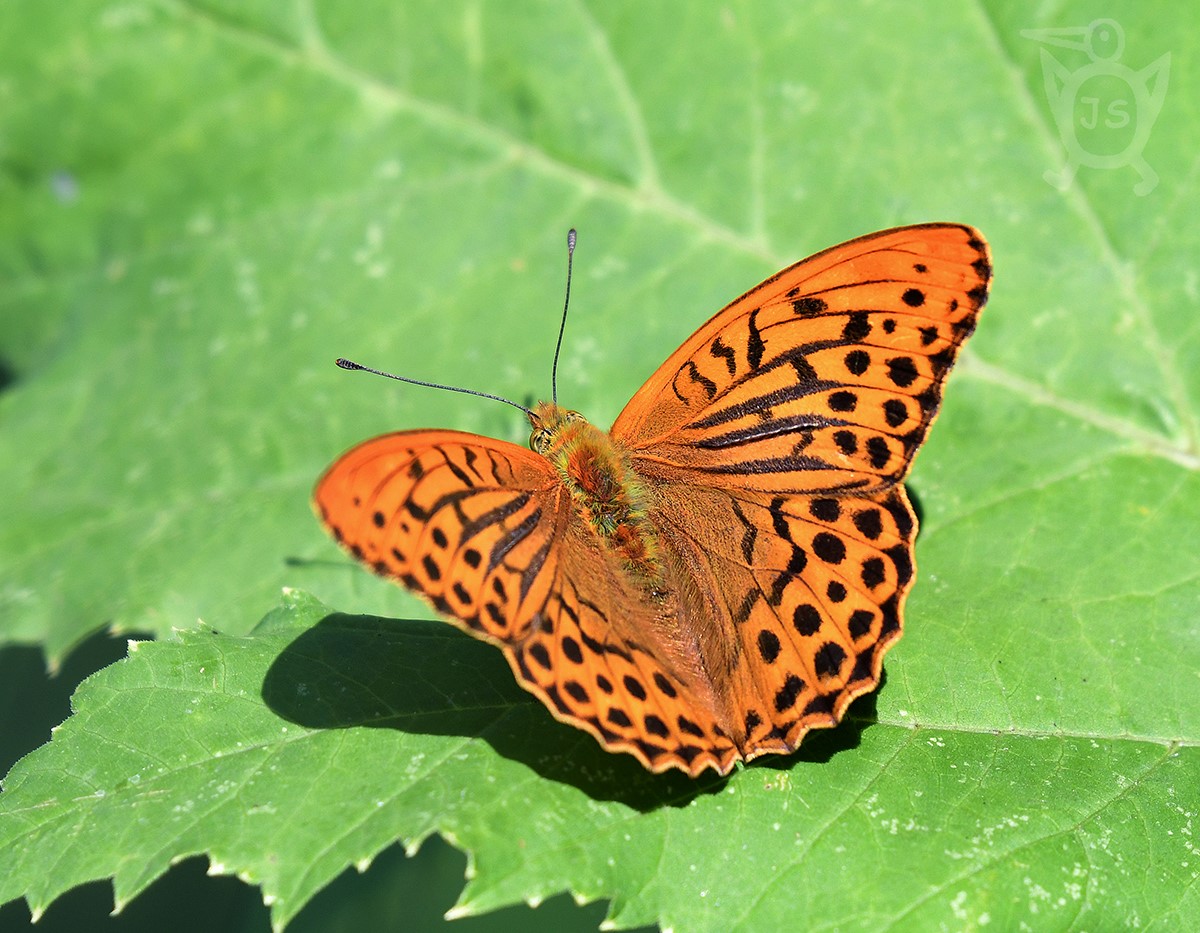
486 532
467 522
776 439
824 378
807 595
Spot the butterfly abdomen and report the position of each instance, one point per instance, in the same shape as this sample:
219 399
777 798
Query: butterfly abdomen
605 490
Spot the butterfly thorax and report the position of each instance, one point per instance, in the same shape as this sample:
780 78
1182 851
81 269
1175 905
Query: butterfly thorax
605 490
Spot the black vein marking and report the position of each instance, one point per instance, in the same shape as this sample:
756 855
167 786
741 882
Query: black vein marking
511 538
768 465
754 345
693 373
719 349
416 470
530 574
796 564
750 535
742 613
764 430
472 527
457 470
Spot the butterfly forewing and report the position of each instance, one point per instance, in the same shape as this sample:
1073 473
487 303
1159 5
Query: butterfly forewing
825 377
467 522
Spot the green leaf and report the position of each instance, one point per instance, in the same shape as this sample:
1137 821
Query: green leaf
202 203
311 744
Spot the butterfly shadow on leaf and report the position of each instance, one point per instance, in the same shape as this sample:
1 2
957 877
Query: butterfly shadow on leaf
425 678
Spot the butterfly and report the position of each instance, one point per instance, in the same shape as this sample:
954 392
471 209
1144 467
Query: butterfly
724 569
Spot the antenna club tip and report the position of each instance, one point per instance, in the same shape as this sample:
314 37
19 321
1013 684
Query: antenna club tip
571 237
346 364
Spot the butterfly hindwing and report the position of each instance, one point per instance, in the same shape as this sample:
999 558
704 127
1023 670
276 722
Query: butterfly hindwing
812 592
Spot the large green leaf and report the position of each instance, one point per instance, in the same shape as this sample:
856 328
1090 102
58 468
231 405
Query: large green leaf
311 744
202 203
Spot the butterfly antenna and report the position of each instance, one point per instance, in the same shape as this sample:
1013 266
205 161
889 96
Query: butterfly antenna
350 364
571 236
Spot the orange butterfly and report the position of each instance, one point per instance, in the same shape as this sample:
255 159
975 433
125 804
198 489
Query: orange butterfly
725 569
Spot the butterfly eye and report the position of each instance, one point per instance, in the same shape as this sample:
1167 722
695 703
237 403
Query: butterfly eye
539 440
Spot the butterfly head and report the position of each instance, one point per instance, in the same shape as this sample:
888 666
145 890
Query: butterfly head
548 421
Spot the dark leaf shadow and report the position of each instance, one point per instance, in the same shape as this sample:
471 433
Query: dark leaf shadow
425 677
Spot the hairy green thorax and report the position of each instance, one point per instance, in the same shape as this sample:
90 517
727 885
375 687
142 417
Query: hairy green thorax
608 494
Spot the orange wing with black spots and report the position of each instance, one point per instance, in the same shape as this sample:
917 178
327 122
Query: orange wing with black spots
824 378
485 532
726 569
